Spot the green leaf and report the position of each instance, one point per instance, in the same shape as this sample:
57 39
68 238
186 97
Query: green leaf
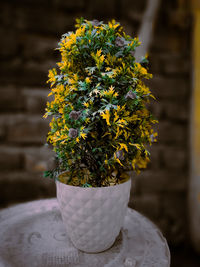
49 174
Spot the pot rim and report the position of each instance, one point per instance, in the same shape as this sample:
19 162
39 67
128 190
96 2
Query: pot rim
98 187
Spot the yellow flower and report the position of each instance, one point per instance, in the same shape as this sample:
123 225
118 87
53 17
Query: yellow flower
61 110
121 108
63 65
142 70
112 24
142 163
116 116
83 135
122 123
51 75
45 115
115 94
88 80
118 133
106 116
110 92
111 89
119 162
110 60
141 88
98 54
73 37
123 146
80 31
66 128
99 59
67 43
72 81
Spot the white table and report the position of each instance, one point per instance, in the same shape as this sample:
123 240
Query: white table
33 234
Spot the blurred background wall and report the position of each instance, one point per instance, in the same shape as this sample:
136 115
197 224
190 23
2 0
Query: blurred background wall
30 31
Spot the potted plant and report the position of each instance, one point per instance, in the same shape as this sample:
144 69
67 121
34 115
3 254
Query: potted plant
100 129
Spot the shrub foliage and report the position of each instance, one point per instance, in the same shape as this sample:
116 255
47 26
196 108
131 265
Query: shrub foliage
100 124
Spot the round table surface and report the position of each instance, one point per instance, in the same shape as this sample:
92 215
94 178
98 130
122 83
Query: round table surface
33 234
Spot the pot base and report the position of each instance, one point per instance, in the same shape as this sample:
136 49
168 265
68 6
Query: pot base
100 250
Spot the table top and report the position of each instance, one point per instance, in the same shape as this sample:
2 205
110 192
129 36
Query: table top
33 234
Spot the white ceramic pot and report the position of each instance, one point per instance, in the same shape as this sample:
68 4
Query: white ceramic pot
93 216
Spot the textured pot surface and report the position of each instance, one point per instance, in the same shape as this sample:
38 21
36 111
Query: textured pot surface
93 216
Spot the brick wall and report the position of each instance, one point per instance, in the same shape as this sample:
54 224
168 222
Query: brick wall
165 185
29 33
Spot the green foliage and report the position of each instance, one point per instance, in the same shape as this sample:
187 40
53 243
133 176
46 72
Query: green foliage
100 123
